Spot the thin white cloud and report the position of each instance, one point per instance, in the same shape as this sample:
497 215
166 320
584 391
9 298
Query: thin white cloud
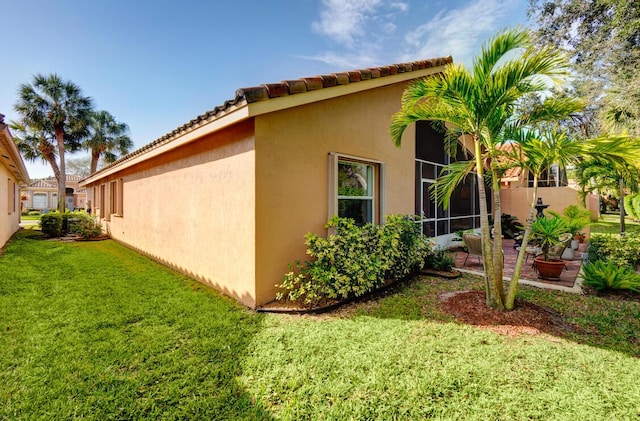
344 20
457 32
345 61
401 6
359 27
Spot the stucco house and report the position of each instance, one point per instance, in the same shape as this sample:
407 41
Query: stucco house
228 197
555 189
42 195
14 175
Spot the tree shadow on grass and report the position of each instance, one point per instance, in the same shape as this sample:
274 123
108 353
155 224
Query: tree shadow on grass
607 321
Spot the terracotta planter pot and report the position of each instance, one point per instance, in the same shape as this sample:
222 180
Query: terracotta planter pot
549 269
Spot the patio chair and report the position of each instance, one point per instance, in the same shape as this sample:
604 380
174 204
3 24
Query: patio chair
473 242
555 252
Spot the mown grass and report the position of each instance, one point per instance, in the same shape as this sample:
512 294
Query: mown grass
93 330
610 224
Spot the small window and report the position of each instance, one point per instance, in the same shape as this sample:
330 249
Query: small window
356 189
102 205
113 197
10 196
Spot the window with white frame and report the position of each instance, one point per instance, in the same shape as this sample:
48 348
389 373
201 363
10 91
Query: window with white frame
356 189
39 201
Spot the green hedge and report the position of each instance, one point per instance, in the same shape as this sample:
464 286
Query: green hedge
622 250
353 260
79 222
51 224
84 224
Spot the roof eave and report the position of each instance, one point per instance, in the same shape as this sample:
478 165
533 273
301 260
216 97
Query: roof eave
15 164
172 141
250 102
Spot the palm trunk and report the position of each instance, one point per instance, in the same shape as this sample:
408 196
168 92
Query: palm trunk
515 278
46 149
493 297
498 261
623 227
95 157
62 178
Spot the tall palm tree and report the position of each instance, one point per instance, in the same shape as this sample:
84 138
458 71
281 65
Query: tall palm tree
35 145
477 106
108 138
50 105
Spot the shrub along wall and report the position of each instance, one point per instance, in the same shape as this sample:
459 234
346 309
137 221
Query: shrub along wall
354 260
55 224
612 260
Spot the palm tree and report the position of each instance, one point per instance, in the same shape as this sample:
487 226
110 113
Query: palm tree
477 106
602 174
35 145
108 139
51 106
536 151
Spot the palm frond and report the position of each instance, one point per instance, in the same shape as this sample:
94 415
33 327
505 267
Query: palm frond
450 177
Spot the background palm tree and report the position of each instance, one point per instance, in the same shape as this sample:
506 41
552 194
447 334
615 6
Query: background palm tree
108 139
477 106
51 106
601 175
35 145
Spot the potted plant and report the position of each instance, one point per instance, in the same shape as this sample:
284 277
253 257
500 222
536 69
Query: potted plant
576 218
550 233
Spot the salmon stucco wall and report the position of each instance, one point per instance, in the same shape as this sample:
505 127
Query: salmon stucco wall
193 209
517 201
9 219
292 178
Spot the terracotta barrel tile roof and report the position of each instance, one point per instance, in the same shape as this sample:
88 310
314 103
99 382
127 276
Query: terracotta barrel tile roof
329 80
354 76
312 83
255 94
289 87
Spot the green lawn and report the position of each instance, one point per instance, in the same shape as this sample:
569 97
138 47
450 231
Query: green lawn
93 330
610 224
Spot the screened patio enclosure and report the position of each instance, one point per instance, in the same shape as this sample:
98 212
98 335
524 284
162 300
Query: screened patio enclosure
463 212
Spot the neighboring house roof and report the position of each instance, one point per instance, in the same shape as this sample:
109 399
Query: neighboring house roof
512 174
323 86
10 155
43 184
52 183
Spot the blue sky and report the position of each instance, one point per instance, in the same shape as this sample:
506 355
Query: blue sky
155 65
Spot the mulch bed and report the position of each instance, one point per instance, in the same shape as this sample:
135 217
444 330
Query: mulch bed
526 318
